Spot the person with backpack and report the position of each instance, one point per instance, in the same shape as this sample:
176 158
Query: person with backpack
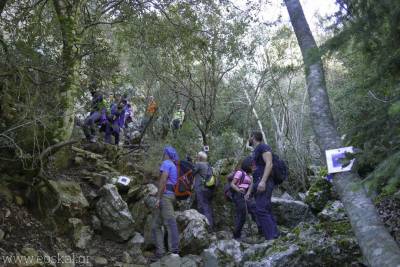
177 119
164 213
116 119
241 187
263 185
98 111
203 189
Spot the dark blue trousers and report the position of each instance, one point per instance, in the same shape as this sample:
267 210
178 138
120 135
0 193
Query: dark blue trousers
264 210
204 197
242 207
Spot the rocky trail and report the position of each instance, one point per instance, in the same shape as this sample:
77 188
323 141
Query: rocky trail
81 217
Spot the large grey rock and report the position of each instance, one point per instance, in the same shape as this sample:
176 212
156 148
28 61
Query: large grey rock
114 214
223 253
333 211
69 198
147 235
81 234
279 258
191 261
194 235
306 246
135 248
290 213
141 191
171 260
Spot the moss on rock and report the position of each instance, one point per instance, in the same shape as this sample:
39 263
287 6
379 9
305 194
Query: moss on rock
318 195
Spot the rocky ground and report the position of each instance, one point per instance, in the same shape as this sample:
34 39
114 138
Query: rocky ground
84 218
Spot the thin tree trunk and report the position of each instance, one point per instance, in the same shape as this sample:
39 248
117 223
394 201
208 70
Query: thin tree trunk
67 15
253 109
2 5
377 246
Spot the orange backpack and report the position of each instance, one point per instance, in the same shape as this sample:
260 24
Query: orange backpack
184 186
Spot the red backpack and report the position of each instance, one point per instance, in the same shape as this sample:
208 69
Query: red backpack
184 185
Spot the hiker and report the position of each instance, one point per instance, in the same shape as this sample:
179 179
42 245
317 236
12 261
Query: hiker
263 185
204 194
116 119
241 186
98 110
150 112
177 119
151 107
164 211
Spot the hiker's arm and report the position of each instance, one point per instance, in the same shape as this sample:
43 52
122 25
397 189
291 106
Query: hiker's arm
162 184
235 187
267 157
247 196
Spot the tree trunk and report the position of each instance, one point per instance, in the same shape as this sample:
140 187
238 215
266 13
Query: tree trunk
253 109
377 246
2 5
67 15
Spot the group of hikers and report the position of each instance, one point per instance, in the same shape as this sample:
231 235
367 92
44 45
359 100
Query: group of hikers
249 187
114 115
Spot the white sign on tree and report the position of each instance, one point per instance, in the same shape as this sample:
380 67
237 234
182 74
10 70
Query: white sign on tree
334 159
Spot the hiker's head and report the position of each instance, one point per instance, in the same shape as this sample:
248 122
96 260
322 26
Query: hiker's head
255 138
151 98
178 105
202 156
247 165
117 97
170 153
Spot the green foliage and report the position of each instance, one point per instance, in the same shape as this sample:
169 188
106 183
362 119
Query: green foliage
319 194
366 94
385 179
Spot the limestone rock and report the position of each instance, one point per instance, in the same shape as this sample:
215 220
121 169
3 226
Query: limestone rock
114 214
307 245
81 234
287 196
148 237
191 261
333 211
72 202
279 258
171 260
289 213
96 223
139 211
223 253
194 236
319 194
100 261
65 262
126 257
134 246
141 191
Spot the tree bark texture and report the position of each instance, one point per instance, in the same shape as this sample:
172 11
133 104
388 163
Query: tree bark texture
68 15
377 246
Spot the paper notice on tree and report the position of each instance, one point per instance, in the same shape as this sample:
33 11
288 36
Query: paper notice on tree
335 158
